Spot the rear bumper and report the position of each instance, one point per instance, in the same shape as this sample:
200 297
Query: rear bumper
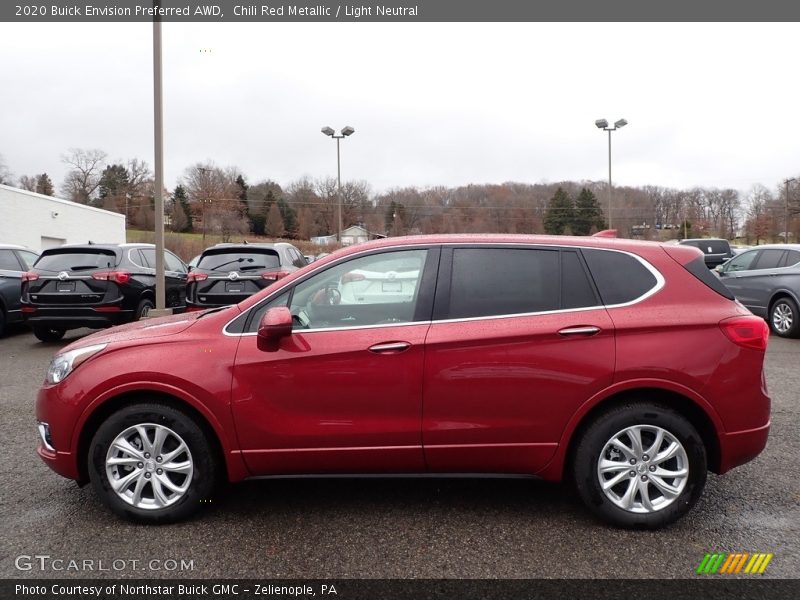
75 317
740 447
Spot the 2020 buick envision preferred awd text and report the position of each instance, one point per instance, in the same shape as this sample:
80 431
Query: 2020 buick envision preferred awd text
623 366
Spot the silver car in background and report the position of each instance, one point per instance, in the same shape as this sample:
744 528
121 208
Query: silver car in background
766 279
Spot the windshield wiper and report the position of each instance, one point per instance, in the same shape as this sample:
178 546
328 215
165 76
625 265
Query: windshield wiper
87 267
236 260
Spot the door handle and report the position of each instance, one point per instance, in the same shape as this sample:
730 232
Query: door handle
586 330
389 347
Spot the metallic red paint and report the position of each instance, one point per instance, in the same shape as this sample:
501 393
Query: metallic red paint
495 395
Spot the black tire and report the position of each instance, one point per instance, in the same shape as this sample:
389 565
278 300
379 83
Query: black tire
204 462
48 334
143 309
609 425
784 318
2 322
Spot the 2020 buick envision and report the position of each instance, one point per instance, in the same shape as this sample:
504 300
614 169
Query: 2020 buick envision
625 367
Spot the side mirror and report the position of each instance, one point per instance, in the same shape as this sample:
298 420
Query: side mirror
719 268
275 325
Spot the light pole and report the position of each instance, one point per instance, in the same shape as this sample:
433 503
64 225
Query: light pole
158 126
203 204
603 124
786 211
347 131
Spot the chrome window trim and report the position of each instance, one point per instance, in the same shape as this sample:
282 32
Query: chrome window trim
660 282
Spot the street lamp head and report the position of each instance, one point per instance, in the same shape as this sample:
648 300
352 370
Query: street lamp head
620 123
601 123
328 131
348 131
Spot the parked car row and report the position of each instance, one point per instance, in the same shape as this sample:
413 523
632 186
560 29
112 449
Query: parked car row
100 285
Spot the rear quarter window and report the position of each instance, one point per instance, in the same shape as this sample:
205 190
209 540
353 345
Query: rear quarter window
620 277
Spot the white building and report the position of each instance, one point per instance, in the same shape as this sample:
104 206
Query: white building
40 222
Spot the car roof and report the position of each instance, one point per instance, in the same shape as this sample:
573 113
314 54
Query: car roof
703 240
247 246
776 247
14 247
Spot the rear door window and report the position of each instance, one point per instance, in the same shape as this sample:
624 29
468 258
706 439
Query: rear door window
768 259
620 278
28 258
577 290
503 281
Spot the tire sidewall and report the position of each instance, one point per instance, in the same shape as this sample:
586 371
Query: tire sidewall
45 333
794 331
140 309
611 423
204 474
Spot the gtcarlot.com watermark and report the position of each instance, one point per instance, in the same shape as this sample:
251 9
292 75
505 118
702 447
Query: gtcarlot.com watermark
48 563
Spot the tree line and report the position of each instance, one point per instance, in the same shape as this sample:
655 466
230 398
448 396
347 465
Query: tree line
222 201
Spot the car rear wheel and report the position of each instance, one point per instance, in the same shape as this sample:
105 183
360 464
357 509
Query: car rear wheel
640 465
48 334
152 463
784 318
144 308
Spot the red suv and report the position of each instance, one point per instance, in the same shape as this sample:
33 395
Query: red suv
625 367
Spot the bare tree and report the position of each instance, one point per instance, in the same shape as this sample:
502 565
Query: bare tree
28 182
214 198
83 179
5 172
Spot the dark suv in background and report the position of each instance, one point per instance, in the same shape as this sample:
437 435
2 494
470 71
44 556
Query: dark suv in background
14 261
715 250
228 273
96 285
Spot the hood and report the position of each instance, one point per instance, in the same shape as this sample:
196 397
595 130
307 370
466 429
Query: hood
148 328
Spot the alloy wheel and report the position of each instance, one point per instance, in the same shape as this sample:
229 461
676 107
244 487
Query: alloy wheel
149 466
782 317
643 469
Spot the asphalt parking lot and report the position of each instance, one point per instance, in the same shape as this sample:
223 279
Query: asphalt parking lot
375 528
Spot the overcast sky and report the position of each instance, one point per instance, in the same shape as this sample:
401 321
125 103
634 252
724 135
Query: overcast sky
432 104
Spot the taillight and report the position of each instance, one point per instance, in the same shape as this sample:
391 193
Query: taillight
192 277
352 276
30 276
750 332
121 277
275 275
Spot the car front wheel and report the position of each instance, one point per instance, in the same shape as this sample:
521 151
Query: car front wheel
784 319
152 463
640 465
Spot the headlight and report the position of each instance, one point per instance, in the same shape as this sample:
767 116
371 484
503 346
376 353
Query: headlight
64 364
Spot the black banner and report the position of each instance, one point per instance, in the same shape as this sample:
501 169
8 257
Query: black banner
105 11
711 587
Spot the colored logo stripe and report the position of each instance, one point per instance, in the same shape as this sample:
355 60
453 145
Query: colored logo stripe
723 563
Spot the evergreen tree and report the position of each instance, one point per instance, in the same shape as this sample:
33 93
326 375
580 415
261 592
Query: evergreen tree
242 195
44 185
559 214
181 198
114 182
275 227
289 216
588 214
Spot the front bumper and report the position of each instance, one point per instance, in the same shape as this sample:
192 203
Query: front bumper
57 452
